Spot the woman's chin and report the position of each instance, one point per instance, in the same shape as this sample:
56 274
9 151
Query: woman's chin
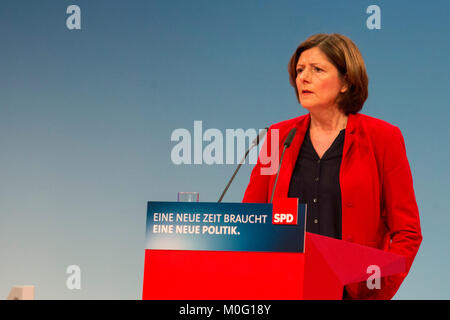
308 106
316 106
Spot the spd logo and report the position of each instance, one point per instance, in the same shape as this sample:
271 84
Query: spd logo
285 211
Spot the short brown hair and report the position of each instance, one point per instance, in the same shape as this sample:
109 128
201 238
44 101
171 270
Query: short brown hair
346 57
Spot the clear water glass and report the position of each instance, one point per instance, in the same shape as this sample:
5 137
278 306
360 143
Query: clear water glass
188 196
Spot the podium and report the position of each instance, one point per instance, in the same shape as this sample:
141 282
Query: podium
318 268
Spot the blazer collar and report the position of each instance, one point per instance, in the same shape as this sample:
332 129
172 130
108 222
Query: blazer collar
350 133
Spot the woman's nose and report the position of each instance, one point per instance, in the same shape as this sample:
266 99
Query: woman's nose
305 75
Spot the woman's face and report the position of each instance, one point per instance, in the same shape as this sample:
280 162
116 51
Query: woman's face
318 81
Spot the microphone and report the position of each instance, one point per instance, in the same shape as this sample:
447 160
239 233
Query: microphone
254 143
287 144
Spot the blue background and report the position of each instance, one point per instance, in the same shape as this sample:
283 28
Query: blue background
86 118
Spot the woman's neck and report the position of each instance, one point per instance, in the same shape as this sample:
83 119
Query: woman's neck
328 120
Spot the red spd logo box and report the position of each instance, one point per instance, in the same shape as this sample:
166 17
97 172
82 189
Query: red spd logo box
285 211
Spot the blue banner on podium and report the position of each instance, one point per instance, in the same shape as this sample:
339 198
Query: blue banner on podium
213 226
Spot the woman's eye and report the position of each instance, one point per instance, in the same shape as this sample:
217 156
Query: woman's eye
316 69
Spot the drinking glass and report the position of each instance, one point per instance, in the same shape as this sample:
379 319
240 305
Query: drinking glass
188 196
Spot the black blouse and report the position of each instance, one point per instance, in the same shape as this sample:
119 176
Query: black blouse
315 181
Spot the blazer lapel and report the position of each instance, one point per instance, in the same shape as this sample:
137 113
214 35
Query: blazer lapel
290 157
350 135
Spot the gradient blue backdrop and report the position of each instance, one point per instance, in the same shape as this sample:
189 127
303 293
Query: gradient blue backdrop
86 118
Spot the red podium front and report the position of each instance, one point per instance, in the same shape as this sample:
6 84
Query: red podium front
321 272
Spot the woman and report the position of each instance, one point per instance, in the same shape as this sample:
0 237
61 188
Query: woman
350 169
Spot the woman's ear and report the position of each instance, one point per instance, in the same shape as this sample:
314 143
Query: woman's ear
345 85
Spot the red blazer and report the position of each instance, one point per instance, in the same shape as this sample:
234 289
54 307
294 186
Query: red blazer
378 203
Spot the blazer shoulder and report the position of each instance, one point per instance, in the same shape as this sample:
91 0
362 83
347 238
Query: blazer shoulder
380 135
375 126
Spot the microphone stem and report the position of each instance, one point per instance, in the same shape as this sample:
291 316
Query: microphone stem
235 172
278 172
